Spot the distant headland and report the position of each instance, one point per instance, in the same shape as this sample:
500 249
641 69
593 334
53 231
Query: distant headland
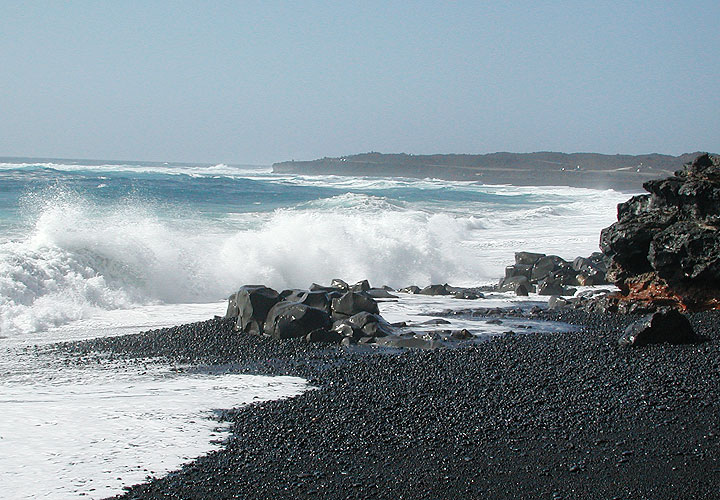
590 170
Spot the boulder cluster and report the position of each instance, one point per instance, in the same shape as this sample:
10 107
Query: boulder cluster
339 313
664 250
552 275
325 314
456 292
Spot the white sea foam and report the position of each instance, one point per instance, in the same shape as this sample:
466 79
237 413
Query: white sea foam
87 432
78 258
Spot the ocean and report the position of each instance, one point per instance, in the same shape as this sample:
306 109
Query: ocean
92 249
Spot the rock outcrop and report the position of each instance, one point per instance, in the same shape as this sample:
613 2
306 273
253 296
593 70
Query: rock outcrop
664 250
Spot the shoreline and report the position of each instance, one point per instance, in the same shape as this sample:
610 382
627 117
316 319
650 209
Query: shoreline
537 415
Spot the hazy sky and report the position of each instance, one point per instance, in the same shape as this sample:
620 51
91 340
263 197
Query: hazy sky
257 82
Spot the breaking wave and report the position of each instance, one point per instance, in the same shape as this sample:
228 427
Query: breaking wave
79 256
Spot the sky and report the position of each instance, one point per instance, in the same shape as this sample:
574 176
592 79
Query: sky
259 82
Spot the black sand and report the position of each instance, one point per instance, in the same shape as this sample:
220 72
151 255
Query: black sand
568 415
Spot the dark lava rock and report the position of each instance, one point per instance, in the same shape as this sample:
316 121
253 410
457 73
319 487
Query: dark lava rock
436 321
361 319
317 299
590 278
663 326
467 294
511 284
665 246
556 302
435 290
339 284
461 334
321 288
518 270
292 319
550 286
361 286
378 329
413 289
252 304
345 329
352 303
527 258
521 290
321 335
369 324
545 265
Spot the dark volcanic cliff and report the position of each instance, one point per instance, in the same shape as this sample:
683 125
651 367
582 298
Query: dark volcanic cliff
623 172
665 246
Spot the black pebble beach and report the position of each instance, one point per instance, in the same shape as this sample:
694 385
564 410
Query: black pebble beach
541 416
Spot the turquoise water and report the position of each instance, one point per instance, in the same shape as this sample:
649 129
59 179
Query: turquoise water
80 237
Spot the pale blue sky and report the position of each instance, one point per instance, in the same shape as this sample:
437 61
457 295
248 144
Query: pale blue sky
257 82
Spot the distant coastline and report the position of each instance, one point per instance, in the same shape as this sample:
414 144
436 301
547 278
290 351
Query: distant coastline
589 170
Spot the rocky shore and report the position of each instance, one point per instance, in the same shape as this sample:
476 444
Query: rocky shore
571 415
621 406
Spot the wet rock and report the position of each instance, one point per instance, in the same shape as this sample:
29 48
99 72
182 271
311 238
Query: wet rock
518 270
252 304
368 324
378 329
590 278
317 299
435 290
512 283
361 286
323 336
461 334
339 284
345 329
436 321
663 326
545 265
410 289
549 286
321 288
565 275
527 258
521 290
352 303
361 319
292 319
557 302
467 294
